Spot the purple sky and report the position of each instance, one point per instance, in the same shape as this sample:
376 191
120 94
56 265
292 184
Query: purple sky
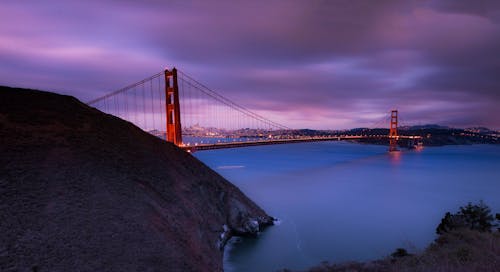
316 64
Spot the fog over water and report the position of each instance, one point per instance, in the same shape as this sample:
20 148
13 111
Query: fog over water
340 201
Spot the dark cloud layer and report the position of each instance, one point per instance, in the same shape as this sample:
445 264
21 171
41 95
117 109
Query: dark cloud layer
319 64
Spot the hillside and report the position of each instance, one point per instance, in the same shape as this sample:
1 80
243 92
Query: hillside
458 251
85 191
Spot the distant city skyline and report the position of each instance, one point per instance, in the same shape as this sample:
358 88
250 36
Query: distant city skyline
304 64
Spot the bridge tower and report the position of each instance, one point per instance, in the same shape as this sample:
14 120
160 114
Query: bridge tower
173 109
393 131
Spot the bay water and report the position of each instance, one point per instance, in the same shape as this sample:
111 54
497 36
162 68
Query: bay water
342 201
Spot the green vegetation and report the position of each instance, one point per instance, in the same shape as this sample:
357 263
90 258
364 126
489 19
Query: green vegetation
474 217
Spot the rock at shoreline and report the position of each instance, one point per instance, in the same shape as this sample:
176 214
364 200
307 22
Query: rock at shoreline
85 191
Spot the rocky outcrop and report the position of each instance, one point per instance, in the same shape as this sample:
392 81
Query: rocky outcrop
85 191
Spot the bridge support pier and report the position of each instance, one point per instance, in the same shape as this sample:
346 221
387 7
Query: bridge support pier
173 109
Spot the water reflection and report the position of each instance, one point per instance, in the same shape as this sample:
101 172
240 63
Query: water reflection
395 157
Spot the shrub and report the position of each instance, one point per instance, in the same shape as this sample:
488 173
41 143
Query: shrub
498 219
472 216
400 252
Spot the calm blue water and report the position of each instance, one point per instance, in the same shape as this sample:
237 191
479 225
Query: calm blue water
340 201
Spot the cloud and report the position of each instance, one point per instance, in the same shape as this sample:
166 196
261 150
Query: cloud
320 64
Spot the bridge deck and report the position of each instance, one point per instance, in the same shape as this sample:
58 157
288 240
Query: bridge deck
201 147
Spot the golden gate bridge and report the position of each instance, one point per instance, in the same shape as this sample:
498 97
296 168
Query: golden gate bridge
177 108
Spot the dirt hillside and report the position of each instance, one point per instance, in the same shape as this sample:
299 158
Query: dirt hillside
81 190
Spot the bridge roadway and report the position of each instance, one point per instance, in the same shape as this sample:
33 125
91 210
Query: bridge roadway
200 147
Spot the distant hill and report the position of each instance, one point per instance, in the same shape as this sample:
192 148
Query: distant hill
81 190
432 135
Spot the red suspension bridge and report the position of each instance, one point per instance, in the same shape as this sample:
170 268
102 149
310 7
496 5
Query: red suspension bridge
179 109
